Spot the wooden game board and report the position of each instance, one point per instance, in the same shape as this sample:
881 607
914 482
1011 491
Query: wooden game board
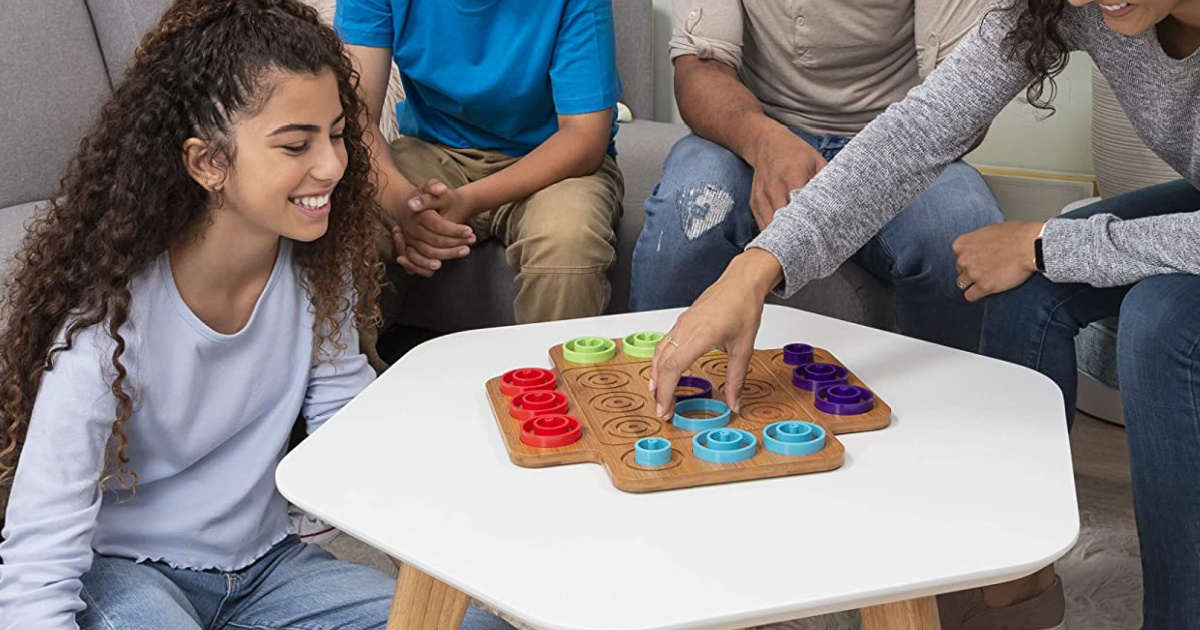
612 402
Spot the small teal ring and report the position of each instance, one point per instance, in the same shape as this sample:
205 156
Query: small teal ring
718 451
793 437
700 424
652 452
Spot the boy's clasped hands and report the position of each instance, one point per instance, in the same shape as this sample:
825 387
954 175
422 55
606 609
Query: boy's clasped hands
431 227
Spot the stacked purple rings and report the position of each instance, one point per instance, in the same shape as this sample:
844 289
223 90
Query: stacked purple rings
814 376
797 354
844 400
694 382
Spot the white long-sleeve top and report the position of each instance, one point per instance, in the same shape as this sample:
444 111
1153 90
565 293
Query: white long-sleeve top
212 417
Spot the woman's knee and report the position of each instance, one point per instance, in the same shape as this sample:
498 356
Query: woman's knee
1158 321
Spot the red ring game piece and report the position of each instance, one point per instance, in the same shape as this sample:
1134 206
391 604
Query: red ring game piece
523 380
537 403
551 430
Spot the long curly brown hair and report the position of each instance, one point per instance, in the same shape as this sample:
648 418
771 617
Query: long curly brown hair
127 196
1036 40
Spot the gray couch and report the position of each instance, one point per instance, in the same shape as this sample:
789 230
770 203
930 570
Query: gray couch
61 59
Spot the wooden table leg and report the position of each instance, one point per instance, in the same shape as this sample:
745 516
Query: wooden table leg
424 603
914 614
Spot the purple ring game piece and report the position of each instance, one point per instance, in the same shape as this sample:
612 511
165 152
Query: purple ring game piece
817 375
695 382
797 354
844 400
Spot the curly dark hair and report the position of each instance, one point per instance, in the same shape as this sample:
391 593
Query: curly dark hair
1036 40
127 196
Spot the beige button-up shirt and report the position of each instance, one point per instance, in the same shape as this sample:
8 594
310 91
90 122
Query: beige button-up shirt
825 66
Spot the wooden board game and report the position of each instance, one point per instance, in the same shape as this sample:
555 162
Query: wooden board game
614 408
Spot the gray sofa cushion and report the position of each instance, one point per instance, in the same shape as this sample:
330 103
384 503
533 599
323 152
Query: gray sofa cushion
120 25
634 21
1096 351
52 79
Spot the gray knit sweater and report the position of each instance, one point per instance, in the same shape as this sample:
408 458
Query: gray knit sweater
904 150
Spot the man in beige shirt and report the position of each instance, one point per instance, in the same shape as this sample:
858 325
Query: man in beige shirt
772 89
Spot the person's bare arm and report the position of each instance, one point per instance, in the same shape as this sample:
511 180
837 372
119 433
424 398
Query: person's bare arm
575 150
433 236
374 68
718 106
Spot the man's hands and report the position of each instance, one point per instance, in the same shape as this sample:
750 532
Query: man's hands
782 163
430 227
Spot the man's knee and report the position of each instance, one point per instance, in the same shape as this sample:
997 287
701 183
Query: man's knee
702 184
963 199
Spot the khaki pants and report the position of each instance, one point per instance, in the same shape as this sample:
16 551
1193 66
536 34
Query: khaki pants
560 240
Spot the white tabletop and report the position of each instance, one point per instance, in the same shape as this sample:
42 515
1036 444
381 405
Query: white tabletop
971 485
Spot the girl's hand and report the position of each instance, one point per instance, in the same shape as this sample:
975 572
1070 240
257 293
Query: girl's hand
996 258
726 317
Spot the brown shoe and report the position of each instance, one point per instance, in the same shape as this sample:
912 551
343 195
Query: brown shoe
965 610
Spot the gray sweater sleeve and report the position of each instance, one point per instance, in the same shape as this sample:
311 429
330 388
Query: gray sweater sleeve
1104 251
895 158
904 150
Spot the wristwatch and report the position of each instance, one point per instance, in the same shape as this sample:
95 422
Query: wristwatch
1039 259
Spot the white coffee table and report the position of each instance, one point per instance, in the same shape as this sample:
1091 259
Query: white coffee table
971 485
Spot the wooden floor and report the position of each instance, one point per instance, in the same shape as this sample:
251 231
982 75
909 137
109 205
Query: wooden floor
1102 473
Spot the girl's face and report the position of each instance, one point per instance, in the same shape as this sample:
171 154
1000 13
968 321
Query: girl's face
288 158
1132 18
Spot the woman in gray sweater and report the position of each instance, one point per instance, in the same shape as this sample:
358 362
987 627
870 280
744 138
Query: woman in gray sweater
1137 255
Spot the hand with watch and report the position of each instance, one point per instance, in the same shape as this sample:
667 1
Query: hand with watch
998 258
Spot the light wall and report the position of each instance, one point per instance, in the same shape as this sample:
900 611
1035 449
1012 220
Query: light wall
1017 139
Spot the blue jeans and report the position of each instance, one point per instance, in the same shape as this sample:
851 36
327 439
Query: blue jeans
1158 364
295 586
698 218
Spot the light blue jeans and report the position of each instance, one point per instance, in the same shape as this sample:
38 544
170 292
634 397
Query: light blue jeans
698 218
295 586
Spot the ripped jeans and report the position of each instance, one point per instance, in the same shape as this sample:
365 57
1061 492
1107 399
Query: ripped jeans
698 218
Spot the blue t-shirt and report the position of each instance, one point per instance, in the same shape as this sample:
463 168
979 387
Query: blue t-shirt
491 74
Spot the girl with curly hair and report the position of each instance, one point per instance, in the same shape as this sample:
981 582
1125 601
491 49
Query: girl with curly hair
1137 255
191 291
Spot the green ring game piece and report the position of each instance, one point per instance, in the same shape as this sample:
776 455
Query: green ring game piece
589 350
642 345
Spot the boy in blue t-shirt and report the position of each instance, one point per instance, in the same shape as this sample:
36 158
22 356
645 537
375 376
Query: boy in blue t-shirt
507 128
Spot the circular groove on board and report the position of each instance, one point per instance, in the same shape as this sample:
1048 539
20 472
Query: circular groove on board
618 402
766 412
715 365
604 379
752 389
632 427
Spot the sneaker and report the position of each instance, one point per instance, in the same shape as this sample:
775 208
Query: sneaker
965 610
311 530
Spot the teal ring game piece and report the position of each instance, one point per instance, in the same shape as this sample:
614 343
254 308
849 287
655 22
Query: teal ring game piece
652 452
793 437
701 424
724 446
